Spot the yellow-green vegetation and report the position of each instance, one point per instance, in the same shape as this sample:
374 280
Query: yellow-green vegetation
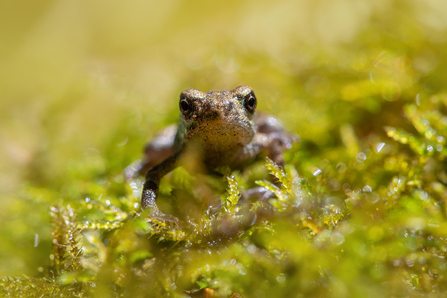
359 209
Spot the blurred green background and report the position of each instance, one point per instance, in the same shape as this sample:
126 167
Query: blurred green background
84 84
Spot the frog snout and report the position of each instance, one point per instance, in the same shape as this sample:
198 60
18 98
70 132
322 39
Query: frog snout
209 115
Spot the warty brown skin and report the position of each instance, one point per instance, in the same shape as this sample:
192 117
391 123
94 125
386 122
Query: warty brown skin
225 128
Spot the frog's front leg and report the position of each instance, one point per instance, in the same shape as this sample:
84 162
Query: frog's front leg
153 177
157 150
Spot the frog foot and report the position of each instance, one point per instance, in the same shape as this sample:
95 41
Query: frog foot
157 215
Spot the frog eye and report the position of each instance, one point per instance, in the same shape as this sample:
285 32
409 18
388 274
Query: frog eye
250 101
185 105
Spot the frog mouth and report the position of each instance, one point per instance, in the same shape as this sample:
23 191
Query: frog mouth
220 132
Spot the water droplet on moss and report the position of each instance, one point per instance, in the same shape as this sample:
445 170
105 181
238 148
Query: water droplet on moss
317 172
341 167
367 188
281 278
333 205
337 238
361 157
434 223
379 147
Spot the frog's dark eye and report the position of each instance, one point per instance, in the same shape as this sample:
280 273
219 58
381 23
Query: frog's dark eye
185 105
250 101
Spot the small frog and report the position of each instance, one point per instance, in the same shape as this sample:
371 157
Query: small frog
225 128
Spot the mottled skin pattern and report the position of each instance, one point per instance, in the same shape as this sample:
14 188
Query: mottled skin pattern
226 129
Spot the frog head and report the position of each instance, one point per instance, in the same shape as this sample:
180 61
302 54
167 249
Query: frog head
217 120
